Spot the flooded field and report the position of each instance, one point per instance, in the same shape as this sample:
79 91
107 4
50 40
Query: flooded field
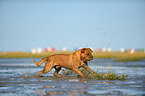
17 77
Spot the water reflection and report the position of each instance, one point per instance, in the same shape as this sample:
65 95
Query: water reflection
48 93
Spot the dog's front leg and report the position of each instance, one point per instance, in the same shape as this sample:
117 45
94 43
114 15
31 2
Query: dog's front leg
86 67
78 72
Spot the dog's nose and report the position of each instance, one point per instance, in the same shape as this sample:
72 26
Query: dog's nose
92 57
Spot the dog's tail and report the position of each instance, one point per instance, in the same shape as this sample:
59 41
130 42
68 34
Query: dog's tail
38 64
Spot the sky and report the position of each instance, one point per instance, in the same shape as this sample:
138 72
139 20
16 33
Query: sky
26 24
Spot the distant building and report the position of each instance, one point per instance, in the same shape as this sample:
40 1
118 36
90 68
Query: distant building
109 49
53 49
47 49
129 50
132 51
142 50
64 49
104 49
139 50
99 50
39 50
33 51
122 50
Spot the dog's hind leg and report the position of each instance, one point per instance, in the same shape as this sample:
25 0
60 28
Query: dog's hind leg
57 69
47 68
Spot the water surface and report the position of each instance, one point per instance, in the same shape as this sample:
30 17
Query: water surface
17 77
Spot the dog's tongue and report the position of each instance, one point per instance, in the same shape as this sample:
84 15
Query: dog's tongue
88 61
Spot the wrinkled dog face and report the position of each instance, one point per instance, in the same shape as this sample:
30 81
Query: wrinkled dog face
86 55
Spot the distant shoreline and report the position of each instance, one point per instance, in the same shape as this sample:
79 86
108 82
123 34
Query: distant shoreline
126 56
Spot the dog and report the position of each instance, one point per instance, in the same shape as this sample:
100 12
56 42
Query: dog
72 61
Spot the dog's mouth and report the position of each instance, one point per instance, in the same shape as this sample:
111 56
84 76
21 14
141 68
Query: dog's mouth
87 61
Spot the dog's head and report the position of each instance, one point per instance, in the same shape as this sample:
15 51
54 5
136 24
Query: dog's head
86 55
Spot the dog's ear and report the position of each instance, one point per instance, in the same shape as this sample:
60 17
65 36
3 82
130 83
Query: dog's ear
91 49
83 50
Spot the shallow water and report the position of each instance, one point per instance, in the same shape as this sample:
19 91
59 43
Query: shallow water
17 78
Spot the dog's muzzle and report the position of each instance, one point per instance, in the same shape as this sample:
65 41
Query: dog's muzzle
92 57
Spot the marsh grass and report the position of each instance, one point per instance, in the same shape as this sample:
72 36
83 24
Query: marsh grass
29 55
137 56
99 75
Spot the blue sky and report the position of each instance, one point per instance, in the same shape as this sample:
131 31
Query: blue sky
26 24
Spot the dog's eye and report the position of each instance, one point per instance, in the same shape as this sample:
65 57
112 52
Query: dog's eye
88 54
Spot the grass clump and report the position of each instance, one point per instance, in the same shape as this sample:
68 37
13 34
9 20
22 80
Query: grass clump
98 76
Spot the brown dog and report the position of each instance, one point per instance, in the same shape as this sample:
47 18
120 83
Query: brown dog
72 61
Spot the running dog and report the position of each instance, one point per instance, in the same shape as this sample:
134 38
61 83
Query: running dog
72 61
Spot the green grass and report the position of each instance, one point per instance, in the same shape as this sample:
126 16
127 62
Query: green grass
137 56
100 76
